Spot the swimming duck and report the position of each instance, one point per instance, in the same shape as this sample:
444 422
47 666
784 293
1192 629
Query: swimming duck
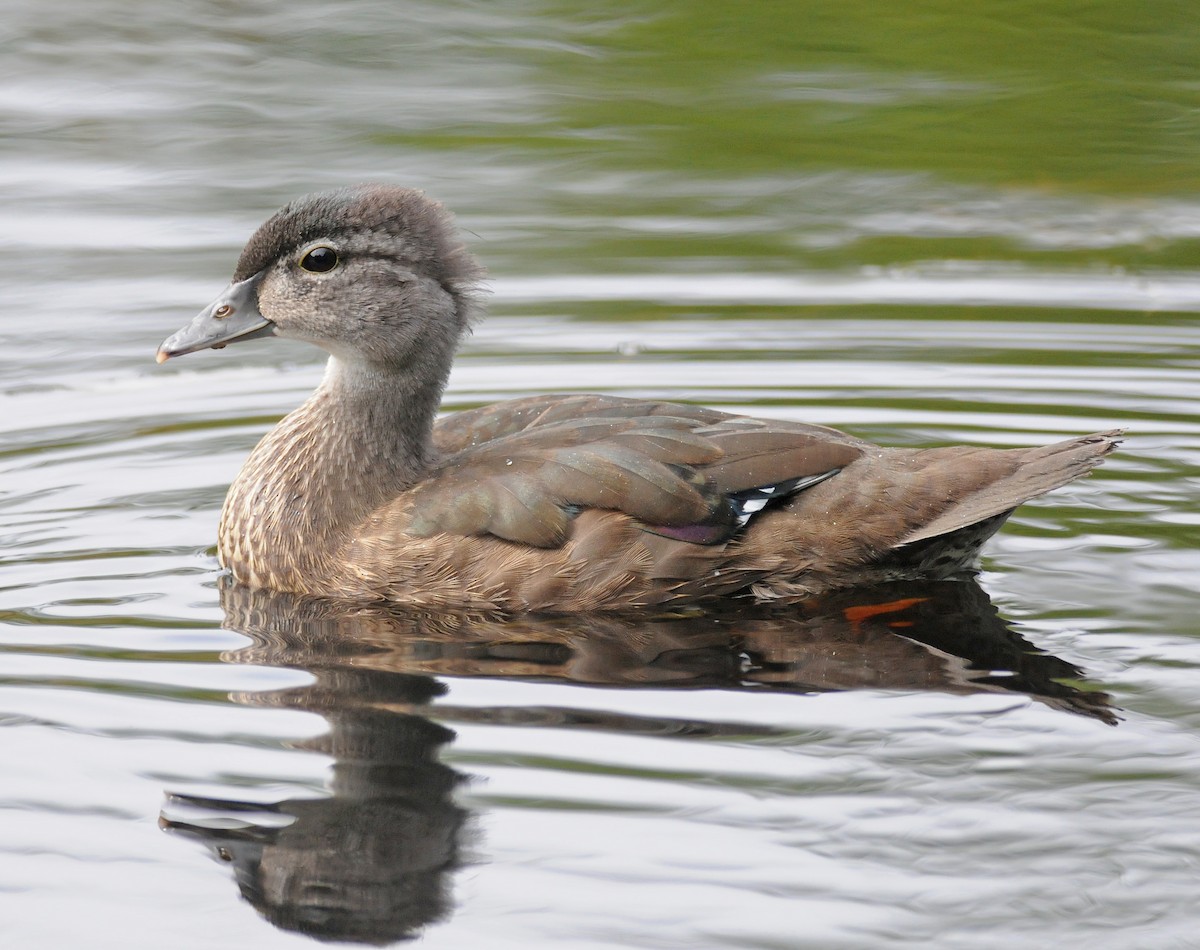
560 503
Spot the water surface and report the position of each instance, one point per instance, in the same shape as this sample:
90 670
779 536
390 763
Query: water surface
924 225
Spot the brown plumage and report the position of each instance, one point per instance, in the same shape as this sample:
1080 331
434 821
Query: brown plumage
552 503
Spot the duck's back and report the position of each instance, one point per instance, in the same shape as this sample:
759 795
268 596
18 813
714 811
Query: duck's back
571 503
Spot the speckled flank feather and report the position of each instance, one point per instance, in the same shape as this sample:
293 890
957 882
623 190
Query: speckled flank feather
558 503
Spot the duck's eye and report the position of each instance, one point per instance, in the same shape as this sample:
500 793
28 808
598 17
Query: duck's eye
320 260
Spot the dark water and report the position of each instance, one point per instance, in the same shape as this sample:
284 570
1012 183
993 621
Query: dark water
923 224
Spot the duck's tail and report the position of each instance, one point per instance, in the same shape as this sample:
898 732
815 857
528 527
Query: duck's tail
1040 470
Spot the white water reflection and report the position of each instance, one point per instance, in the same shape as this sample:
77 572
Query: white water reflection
935 286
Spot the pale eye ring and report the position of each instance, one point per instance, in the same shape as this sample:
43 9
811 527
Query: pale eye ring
320 259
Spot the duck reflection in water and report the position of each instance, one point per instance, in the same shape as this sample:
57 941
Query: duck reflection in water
371 863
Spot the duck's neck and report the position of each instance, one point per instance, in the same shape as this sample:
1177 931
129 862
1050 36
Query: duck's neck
362 438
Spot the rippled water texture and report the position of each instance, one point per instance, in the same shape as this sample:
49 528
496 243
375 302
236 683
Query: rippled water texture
925 224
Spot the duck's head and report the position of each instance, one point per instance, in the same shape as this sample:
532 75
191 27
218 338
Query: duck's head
374 274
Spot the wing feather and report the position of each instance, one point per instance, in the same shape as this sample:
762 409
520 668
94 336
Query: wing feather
525 473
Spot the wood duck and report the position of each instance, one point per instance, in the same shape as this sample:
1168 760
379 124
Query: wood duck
561 503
